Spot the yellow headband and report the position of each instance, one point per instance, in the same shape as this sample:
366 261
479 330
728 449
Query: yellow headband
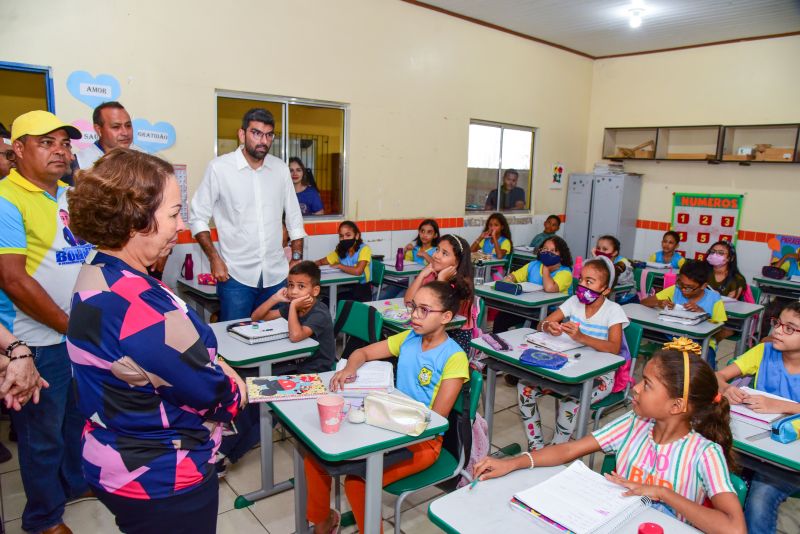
686 346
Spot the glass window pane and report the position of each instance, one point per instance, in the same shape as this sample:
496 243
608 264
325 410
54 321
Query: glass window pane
229 119
517 148
316 137
483 160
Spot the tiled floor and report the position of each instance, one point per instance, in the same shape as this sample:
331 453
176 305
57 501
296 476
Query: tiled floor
275 515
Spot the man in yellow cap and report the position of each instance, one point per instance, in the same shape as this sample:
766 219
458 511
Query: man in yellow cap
38 269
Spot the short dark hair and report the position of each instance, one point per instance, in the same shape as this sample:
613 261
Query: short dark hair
97 114
696 271
515 172
118 196
308 268
4 133
602 266
675 235
258 115
555 218
614 241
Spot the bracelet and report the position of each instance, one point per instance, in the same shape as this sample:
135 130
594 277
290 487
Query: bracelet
14 345
531 459
21 356
541 325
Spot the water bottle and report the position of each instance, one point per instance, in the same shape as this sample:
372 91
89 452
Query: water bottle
398 262
187 269
576 270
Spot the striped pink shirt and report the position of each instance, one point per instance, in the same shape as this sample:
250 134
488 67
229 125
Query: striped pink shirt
692 466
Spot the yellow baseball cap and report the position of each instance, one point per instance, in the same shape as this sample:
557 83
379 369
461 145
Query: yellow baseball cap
39 123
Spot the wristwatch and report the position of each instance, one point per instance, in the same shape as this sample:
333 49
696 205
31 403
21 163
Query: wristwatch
297 255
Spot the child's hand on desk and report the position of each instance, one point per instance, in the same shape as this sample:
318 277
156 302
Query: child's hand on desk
692 307
734 395
762 404
446 274
553 328
340 378
634 488
571 329
666 304
492 468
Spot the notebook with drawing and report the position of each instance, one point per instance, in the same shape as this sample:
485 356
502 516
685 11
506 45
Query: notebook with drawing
579 501
252 332
284 388
557 343
760 420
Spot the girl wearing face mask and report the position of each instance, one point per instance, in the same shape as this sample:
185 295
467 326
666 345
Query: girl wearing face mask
590 318
552 270
352 256
726 279
609 246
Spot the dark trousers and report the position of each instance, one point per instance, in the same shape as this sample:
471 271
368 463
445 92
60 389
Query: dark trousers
193 512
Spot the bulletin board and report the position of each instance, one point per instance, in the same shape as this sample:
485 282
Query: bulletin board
703 219
781 245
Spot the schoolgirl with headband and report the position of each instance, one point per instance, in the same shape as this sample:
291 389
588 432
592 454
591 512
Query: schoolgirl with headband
591 319
674 447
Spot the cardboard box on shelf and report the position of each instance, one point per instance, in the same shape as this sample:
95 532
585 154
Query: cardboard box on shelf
785 155
737 157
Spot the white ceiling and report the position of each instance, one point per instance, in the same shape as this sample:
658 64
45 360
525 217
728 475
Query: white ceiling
600 27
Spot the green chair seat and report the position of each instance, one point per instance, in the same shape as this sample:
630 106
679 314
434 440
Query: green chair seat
612 400
442 469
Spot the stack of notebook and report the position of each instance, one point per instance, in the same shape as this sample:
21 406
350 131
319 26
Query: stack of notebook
682 316
372 377
760 420
252 332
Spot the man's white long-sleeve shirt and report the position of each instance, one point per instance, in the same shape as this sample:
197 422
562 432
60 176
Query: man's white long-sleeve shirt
247 206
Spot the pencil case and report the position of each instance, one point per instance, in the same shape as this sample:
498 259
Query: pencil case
496 342
786 429
508 287
397 413
543 358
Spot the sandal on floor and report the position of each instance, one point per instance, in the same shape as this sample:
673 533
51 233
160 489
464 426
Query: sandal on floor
337 522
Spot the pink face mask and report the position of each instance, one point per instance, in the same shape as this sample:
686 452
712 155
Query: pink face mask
716 259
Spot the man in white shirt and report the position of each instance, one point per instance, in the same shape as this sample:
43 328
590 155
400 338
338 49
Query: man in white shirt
114 129
247 192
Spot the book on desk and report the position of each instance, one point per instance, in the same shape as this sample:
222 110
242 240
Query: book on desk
760 420
680 315
252 332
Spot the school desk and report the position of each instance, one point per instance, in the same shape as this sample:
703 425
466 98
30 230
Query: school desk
761 453
261 355
396 325
485 508
648 319
574 379
483 268
777 288
352 442
530 306
740 319
410 270
203 297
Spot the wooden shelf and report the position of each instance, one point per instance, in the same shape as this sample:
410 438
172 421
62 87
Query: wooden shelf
745 144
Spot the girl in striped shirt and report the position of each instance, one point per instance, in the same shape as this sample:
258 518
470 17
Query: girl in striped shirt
674 447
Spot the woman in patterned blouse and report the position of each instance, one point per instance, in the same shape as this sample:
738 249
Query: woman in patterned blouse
149 383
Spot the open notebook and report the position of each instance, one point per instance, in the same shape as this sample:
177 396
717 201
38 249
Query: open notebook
761 420
579 501
557 343
252 332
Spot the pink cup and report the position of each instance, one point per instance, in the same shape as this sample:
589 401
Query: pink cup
650 528
669 279
331 412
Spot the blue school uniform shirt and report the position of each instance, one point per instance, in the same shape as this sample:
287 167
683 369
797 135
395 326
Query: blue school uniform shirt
766 363
676 262
420 373
487 246
413 254
711 302
364 253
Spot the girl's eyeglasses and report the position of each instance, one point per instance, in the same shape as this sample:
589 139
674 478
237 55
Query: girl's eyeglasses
787 329
423 310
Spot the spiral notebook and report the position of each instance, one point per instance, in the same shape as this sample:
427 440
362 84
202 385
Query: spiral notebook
579 501
252 332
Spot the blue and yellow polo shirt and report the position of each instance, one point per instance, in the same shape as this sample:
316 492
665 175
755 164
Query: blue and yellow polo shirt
35 224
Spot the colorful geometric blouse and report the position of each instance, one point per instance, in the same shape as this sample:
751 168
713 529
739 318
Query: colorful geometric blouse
147 383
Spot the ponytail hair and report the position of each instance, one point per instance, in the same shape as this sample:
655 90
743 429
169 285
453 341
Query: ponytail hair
464 269
709 412
450 294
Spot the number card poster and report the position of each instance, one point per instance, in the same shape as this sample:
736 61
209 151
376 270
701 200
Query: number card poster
702 220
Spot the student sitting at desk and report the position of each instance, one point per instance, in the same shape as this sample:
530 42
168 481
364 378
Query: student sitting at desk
298 303
422 248
694 295
776 366
592 319
725 278
552 270
674 447
668 253
352 256
495 240
609 246
431 368
551 226
452 263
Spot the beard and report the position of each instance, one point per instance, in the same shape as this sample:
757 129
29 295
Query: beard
258 152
